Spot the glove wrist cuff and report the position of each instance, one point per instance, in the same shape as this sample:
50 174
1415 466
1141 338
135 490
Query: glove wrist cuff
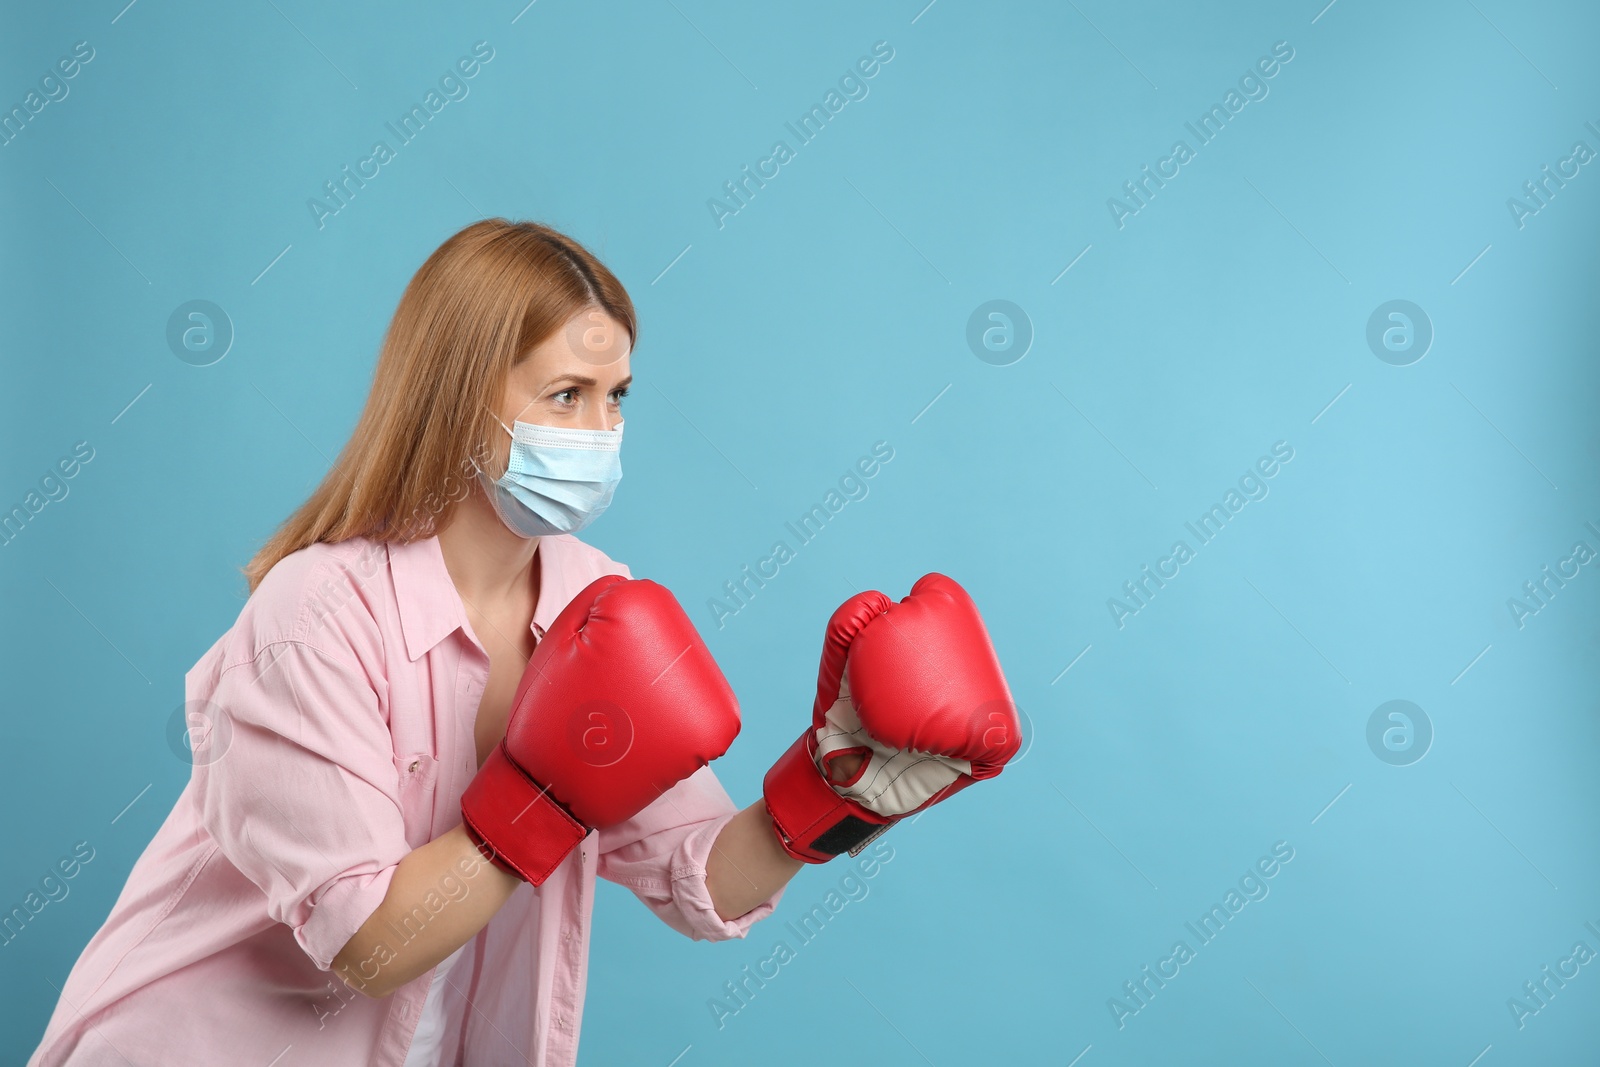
517 824
812 822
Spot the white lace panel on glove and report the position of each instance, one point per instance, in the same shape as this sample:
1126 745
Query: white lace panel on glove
891 781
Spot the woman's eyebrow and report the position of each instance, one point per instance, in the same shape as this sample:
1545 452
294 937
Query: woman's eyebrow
584 380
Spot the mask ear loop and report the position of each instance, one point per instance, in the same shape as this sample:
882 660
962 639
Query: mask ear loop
504 427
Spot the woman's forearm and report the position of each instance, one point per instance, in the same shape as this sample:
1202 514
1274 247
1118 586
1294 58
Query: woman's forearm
747 865
376 962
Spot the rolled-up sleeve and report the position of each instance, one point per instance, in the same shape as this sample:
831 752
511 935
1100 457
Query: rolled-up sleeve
300 791
660 854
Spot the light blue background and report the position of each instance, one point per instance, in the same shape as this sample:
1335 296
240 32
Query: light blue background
1225 316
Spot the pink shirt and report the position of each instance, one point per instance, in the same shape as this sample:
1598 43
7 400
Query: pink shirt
351 683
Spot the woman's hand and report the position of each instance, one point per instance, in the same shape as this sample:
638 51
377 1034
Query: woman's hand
843 767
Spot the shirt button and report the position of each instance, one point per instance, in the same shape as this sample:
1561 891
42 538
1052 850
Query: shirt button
414 764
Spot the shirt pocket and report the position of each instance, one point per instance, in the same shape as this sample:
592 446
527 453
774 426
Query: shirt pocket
419 776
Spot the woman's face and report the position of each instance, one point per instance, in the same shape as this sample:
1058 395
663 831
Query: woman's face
577 378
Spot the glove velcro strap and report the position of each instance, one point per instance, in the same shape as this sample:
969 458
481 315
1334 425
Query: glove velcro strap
813 823
518 826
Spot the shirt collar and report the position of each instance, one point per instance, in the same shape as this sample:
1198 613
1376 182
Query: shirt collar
431 608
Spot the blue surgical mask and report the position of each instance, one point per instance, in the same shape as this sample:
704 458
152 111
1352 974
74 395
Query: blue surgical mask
557 481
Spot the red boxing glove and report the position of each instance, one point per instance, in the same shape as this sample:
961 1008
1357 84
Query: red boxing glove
620 702
913 688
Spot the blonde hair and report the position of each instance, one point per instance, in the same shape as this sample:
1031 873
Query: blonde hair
482 301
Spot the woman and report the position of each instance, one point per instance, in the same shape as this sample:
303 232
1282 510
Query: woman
315 897
368 677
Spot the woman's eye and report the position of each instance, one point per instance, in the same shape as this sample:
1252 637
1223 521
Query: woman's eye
618 395
567 393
